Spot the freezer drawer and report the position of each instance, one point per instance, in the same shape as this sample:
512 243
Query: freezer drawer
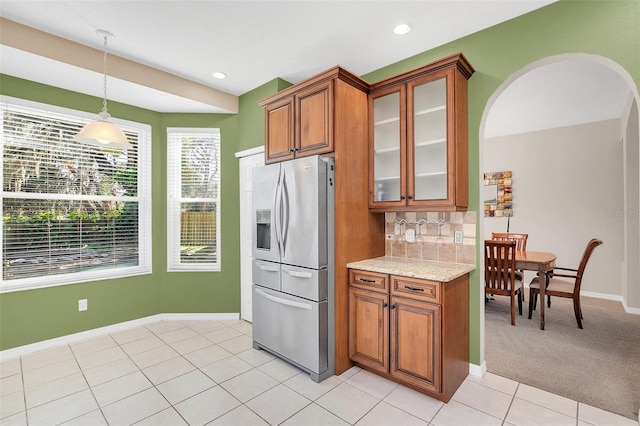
293 328
266 274
302 282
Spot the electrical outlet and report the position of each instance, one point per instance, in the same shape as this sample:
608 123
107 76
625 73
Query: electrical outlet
82 305
457 237
398 229
410 235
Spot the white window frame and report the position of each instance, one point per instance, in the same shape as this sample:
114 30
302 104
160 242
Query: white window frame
143 199
174 201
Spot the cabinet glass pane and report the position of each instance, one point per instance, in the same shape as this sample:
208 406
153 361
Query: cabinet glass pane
386 147
430 140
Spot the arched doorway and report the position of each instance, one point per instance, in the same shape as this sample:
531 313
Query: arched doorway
567 126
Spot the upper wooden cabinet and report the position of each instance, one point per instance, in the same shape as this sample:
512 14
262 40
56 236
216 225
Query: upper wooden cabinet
300 120
418 157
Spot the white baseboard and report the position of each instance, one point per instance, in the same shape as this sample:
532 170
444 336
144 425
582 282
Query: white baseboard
478 370
114 328
635 311
627 309
605 296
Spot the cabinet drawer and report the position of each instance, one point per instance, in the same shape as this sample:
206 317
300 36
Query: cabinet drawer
414 288
369 280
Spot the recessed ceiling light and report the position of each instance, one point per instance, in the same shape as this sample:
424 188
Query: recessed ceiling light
402 29
218 74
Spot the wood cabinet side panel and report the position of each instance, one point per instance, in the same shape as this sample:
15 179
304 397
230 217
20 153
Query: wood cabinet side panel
455 334
359 234
461 138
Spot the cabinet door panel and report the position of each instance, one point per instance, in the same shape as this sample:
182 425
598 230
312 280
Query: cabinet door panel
415 343
387 146
428 134
313 119
369 329
279 131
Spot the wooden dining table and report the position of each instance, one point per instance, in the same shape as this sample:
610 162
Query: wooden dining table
540 262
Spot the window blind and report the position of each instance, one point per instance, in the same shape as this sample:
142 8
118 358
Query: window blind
193 181
71 212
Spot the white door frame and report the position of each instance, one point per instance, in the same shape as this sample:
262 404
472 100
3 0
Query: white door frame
249 159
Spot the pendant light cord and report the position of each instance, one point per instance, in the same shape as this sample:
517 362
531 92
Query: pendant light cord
104 82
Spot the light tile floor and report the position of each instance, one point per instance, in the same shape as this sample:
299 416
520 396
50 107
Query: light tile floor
206 372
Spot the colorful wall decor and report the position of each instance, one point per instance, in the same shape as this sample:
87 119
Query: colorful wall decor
498 194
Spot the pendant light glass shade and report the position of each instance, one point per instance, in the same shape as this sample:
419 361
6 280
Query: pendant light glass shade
103 133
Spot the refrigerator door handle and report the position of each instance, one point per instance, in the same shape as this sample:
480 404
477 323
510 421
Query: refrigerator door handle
285 213
298 274
284 301
276 213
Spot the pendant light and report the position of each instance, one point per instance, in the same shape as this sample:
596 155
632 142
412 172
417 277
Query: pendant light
103 133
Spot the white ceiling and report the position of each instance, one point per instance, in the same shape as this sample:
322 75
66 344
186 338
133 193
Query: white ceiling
253 42
576 90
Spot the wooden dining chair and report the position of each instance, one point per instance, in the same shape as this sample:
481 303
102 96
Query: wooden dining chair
521 245
500 273
564 282
520 239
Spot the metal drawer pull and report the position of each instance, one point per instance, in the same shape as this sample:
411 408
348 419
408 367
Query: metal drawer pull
284 301
298 274
384 305
364 280
267 268
413 288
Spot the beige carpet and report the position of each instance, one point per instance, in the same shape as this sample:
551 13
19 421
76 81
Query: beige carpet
598 365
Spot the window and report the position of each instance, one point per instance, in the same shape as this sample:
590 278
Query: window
71 212
193 199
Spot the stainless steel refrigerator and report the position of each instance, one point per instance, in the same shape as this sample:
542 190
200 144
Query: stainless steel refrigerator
293 268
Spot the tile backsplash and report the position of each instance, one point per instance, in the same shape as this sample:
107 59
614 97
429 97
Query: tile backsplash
431 236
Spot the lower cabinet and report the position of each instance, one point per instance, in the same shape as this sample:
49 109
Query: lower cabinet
412 331
369 328
415 343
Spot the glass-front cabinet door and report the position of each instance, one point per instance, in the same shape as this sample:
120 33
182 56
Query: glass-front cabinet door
418 127
427 139
388 153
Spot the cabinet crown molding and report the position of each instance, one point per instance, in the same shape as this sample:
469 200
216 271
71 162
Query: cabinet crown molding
458 60
336 72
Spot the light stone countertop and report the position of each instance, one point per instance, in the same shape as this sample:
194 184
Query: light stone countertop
415 268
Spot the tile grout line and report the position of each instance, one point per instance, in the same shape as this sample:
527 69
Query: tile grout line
153 385
24 392
75 357
513 398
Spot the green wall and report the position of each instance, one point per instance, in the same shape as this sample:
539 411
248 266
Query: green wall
606 28
205 291
251 115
